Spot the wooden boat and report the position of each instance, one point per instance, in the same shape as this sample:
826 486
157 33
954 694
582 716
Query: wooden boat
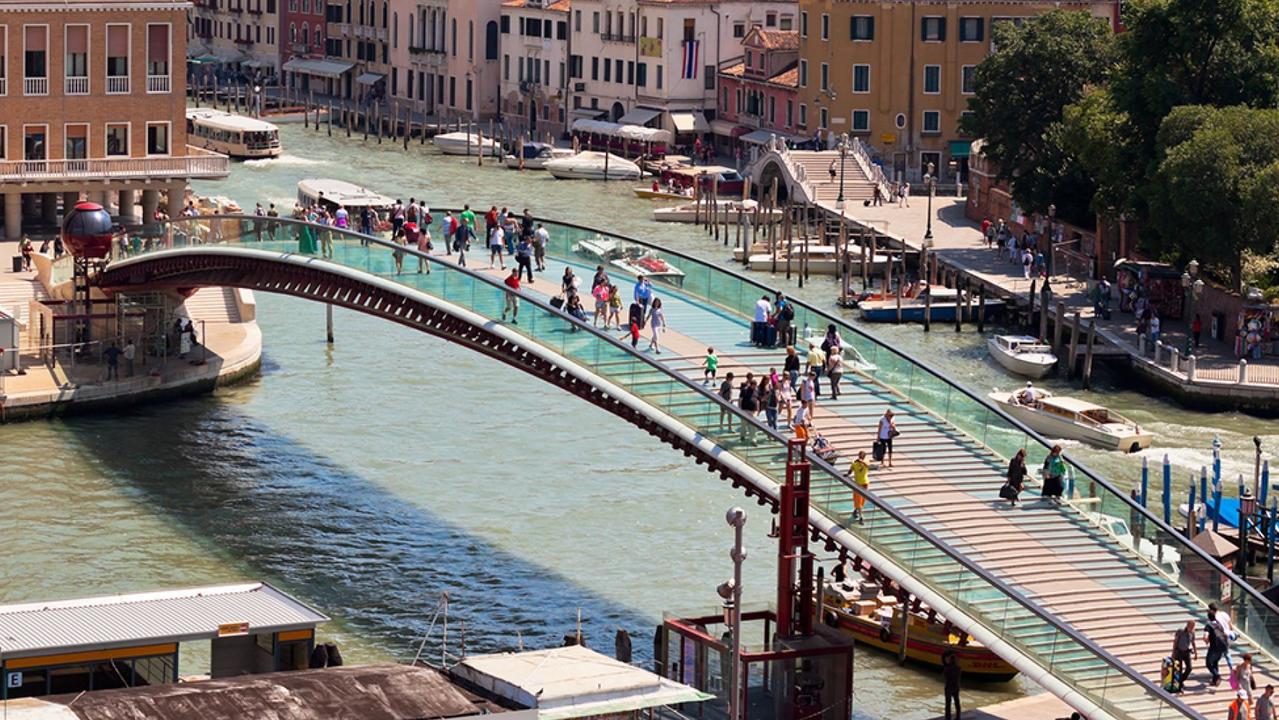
1023 355
946 304
852 358
1073 419
649 193
688 213
536 155
858 609
464 143
591 165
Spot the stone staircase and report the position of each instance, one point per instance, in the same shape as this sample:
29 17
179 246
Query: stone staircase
816 173
213 305
16 293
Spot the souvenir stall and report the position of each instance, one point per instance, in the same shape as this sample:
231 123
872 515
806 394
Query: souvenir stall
1256 333
1153 285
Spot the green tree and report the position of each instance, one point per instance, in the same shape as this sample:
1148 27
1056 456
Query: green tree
1214 193
1021 91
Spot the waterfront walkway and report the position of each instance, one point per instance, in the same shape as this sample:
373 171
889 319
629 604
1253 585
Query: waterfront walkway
958 244
56 380
1075 609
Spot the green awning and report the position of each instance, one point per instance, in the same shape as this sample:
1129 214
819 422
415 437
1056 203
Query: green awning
959 148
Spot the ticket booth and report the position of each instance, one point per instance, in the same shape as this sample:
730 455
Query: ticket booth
135 640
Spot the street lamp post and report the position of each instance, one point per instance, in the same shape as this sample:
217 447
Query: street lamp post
736 518
930 182
1193 287
843 156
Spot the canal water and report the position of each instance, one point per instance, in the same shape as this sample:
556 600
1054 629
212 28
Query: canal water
371 476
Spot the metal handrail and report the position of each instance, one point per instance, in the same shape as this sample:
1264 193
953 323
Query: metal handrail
1087 472
888 509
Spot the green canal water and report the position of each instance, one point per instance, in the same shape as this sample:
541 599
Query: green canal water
371 476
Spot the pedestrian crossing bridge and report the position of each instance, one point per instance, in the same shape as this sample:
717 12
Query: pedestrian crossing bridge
1073 607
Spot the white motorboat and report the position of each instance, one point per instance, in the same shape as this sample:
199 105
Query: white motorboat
852 358
599 248
536 155
1023 355
464 143
821 259
1164 557
735 209
1072 419
637 261
591 165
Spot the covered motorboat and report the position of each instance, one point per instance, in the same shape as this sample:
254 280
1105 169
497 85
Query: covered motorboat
593 165
535 156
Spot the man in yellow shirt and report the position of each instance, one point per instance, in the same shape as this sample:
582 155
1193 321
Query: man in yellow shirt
860 471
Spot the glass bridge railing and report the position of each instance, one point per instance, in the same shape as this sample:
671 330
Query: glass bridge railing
1070 657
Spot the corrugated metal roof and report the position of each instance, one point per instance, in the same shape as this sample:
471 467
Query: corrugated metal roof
167 616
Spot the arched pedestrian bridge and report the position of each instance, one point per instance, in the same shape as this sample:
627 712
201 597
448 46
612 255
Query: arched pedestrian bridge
1071 606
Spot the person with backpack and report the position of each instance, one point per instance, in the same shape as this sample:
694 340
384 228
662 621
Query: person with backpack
1218 644
1223 618
785 315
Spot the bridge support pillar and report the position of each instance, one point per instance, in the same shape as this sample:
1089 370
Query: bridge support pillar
13 216
328 323
176 199
150 202
126 200
69 200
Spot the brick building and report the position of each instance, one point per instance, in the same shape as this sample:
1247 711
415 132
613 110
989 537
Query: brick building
93 97
757 97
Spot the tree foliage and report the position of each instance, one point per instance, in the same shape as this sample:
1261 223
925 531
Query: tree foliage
1215 190
1021 91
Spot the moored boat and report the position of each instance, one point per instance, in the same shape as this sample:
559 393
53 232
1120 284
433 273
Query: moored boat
735 209
817 259
1072 419
946 304
859 609
591 165
852 358
1023 355
535 156
649 193
464 143
639 261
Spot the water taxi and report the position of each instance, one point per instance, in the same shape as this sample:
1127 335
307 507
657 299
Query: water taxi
946 304
535 156
1072 419
659 193
592 165
859 609
331 193
232 135
464 143
1023 355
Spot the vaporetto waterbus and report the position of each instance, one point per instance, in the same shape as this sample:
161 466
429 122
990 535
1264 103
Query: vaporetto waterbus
232 135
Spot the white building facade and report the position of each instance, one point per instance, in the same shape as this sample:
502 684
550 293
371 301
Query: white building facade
535 46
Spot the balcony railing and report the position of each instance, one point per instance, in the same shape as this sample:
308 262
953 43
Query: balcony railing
243 41
158 83
197 163
76 86
36 86
617 37
117 84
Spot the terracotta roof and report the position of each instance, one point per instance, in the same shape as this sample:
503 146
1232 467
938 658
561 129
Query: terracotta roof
775 39
786 78
737 70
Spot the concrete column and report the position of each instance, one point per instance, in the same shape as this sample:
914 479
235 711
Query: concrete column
176 199
13 216
29 205
150 201
49 208
69 200
101 197
126 203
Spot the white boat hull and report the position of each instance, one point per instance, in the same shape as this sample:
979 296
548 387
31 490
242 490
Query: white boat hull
614 173
450 145
688 213
1031 365
1058 427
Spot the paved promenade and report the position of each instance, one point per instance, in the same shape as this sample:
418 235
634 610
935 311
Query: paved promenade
232 347
957 243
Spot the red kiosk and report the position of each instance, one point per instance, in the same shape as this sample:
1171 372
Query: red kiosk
799 669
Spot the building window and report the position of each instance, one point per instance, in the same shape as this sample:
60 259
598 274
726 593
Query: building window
803 24
967 77
35 59
117 139
708 75
803 73
506 67
33 142
772 109
932 29
595 22
786 23
932 79
862 28
825 26
790 113
932 121
641 74
117 59
770 20
157 138
577 21
608 71
77 141
900 121
861 121
660 68
595 68
158 57
4 65
964 118
803 115
739 29
76 65
750 60
823 115
971 29
825 77
861 78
